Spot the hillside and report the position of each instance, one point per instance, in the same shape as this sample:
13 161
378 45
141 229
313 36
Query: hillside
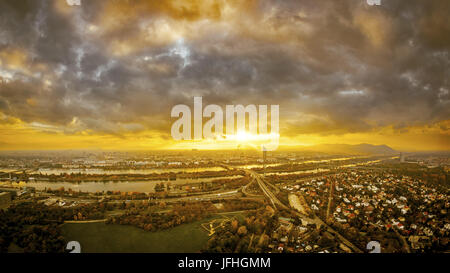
363 148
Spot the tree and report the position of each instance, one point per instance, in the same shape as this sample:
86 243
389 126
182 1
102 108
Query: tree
234 225
242 230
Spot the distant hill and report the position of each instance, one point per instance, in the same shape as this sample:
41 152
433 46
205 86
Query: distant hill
363 148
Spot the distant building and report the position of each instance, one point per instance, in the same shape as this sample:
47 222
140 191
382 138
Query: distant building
402 157
264 161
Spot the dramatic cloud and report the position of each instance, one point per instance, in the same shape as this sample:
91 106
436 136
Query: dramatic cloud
118 67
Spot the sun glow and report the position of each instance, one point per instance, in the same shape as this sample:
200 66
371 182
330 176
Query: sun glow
244 136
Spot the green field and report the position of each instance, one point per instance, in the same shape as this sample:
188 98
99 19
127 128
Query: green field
103 238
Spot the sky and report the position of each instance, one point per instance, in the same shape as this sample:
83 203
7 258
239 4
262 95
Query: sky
106 74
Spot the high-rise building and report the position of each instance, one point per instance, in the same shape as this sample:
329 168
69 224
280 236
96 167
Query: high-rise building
264 161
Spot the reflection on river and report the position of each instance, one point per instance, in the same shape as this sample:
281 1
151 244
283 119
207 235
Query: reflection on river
126 171
319 170
367 162
298 162
134 186
148 186
251 166
100 171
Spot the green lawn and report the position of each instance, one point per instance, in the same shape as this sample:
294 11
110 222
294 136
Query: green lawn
103 238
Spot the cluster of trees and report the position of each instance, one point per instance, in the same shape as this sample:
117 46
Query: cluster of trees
221 183
34 212
25 228
250 235
33 239
286 178
84 177
240 204
114 195
147 218
389 240
232 183
35 227
159 187
66 192
154 221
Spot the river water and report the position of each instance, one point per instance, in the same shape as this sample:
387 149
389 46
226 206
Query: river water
123 186
148 186
55 171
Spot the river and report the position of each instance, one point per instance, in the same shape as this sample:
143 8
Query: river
123 186
148 186
58 171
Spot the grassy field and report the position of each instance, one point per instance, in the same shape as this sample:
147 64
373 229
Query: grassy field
103 238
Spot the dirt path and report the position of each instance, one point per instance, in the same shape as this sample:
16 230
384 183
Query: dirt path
84 221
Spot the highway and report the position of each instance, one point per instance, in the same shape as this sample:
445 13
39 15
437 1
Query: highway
269 194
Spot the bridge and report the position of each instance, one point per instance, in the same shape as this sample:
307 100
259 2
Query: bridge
20 171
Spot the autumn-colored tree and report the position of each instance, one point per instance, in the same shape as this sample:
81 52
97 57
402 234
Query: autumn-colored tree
242 230
234 225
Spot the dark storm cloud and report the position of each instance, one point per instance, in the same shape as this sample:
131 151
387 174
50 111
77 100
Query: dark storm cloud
346 66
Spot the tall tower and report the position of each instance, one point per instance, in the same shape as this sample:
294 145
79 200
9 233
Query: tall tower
330 199
264 161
